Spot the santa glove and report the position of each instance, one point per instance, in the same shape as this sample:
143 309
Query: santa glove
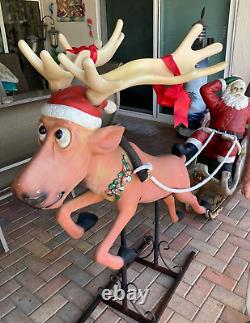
227 137
207 130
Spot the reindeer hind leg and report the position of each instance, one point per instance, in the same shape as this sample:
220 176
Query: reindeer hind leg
191 199
170 203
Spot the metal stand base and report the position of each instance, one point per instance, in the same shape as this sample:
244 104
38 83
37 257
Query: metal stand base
149 316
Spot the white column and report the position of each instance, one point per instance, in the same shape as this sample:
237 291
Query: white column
241 46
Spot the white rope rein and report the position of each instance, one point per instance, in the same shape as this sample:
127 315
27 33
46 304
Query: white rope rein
212 133
149 167
202 147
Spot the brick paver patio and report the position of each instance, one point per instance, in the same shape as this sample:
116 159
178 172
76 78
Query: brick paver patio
48 277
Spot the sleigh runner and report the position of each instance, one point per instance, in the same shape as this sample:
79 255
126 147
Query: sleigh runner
216 191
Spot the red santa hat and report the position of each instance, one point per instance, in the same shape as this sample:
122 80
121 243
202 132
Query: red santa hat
71 104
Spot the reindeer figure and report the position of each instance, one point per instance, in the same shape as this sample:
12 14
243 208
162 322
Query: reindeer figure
75 149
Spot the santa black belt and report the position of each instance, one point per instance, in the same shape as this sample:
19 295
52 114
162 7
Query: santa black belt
236 134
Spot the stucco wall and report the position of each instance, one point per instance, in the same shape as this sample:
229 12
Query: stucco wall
77 32
241 48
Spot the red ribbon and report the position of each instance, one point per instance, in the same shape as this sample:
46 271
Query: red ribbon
91 48
175 95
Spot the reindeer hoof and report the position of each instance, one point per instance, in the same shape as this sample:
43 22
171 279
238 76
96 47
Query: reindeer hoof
208 208
128 255
86 220
180 215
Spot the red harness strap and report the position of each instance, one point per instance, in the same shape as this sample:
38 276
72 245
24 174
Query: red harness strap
175 95
91 48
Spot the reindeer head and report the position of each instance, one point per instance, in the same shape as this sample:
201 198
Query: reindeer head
68 137
69 129
68 142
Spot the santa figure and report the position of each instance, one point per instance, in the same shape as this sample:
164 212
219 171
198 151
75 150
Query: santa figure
230 113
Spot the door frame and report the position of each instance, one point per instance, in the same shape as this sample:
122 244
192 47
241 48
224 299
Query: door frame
3 32
231 33
156 115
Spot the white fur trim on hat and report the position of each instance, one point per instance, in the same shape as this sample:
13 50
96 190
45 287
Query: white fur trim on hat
64 112
238 80
223 84
110 107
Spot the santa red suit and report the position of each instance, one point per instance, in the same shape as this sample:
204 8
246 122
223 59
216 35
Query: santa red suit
224 118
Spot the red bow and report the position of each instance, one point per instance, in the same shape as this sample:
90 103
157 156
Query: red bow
91 48
175 95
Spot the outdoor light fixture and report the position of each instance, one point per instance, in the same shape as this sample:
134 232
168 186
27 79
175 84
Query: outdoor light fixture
53 37
52 33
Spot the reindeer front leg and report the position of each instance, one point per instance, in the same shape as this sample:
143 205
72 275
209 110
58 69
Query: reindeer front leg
126 209
65 212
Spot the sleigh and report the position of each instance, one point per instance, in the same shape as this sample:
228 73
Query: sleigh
216 190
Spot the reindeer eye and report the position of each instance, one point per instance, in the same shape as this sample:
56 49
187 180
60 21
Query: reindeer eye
59 134
42 132
63 137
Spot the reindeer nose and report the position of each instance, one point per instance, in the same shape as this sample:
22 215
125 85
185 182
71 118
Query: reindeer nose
34 200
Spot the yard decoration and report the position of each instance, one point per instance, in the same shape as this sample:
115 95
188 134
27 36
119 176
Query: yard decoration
74 147
229 114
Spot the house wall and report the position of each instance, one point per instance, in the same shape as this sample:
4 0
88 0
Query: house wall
77 32
18 133
241 45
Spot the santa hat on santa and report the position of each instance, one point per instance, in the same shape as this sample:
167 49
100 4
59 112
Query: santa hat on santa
229 81
71 104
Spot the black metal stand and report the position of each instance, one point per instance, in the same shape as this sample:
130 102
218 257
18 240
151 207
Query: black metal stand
148 317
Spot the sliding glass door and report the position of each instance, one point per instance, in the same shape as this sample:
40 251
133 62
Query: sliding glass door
138 43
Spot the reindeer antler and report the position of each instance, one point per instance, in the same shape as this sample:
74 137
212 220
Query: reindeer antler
57 77
145 71
105 53
55 74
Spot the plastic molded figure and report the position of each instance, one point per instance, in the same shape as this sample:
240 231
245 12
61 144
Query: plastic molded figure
74 147
229 112
221 161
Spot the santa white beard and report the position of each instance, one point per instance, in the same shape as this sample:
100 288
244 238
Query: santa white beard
237 102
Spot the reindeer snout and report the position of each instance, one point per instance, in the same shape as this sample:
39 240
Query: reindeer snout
34 200
28 194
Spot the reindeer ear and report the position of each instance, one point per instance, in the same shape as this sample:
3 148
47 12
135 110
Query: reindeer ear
107 139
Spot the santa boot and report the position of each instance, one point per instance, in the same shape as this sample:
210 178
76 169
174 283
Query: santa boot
189 150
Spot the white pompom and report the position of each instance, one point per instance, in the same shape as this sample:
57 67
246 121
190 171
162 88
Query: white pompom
110 107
